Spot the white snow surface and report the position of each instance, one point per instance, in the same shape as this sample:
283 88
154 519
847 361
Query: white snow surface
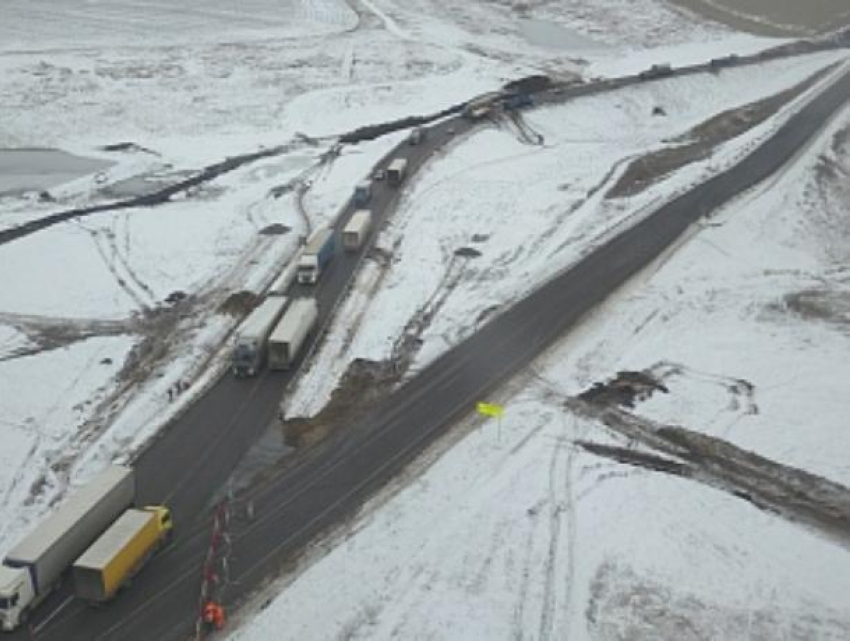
190 84
526 236
515 532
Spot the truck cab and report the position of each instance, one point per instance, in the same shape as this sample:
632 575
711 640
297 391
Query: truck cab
308 270
362 192
244 359
16 595
164 521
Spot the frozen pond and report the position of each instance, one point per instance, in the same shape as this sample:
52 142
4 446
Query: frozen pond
553 36
39 169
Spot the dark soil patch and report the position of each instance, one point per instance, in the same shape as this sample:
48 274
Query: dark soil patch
276 229
239 303
148 354
175 297
467 252
793 493
697 144
529 84
126 146
823 305
625 389
363 383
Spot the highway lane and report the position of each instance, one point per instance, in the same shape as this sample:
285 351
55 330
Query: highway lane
319 492
189 463
186 464
395 435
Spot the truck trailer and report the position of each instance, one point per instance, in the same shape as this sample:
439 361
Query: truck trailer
396 171
316 255
289 336
281 284
34 567
120 552
249 353
356 230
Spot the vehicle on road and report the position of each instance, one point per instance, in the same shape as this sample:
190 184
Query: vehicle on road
726 61
397 171
356 230
249 353
517 101
290 334
481 106
281 284
34 567
363 193
656 71
529 84
416 136
120 552
316 255
380 174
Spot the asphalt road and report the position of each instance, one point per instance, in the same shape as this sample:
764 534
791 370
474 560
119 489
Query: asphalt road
189 462
196 455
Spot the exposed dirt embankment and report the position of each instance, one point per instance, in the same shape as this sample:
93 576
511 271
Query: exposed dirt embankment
698 143
363 383
793 493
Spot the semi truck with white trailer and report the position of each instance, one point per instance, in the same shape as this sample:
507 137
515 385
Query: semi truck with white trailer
34 567
249 353
120 552
354 233
397 171
316 255
290 334
363 192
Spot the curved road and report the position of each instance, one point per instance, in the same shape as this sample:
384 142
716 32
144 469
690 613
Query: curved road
330 482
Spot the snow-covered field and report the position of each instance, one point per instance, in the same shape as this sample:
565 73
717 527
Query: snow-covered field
188 85
515 532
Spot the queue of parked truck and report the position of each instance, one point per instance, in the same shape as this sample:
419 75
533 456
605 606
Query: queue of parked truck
277 329
96 533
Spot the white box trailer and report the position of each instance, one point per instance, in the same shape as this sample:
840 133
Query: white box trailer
396 171
281 284
249 353
289 336
356 230
35 565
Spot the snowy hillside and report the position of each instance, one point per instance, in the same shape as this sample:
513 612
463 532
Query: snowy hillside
515 531
149 103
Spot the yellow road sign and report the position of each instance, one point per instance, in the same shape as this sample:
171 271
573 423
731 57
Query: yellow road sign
490 409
